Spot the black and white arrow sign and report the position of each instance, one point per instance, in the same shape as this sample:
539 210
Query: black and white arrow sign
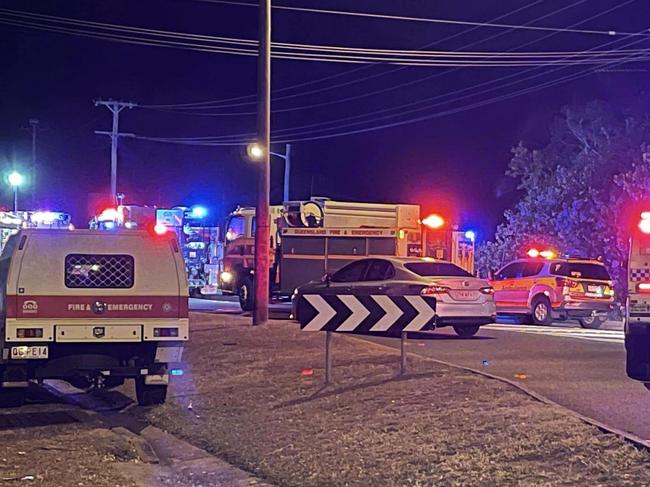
371 314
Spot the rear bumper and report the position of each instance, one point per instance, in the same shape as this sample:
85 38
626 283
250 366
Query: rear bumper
451 313
583 309
123 360
464 320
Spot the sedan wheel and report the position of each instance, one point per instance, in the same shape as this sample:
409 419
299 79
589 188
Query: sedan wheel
466 331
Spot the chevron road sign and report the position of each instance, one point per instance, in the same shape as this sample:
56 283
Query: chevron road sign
379 314
366 314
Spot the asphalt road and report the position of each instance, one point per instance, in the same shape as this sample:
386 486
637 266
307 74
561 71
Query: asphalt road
583 370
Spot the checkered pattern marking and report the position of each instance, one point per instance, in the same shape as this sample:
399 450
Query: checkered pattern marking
99 271
640 274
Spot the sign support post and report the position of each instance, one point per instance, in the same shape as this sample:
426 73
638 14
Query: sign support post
328 358
402 349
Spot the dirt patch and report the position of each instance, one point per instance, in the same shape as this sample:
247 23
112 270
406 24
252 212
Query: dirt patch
74 455
254 396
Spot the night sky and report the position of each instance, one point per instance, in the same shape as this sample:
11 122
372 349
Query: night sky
452 164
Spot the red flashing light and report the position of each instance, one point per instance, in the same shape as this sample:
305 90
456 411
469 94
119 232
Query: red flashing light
160 229
644 224
109 214
434 221
533 253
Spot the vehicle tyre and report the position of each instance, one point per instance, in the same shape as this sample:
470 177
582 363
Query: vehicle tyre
467 331
245 293
149 395
195 292
541 311
12 397
592 322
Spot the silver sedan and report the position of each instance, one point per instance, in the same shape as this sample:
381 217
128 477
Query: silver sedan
462 300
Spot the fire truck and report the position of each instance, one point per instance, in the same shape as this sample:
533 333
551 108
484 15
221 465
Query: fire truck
11 222
198 242
318 236
637 314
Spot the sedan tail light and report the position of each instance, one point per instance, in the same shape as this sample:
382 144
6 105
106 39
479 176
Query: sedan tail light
487 290
433 290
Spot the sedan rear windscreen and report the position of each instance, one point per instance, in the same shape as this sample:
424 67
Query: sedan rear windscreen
580 270
436 269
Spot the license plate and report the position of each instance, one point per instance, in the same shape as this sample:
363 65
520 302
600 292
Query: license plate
29 352
464 295
595 289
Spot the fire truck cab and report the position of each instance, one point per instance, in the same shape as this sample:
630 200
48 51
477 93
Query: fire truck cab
637 316
92 308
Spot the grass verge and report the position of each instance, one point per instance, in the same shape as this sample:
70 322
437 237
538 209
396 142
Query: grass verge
245 398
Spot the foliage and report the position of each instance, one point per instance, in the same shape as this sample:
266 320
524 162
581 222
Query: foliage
578 192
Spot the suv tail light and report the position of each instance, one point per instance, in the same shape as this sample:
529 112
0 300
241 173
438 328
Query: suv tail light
563 282
433 290
644 287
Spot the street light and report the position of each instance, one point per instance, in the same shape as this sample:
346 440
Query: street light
15 180
256 151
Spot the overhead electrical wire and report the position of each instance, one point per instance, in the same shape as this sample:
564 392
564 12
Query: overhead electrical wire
323 79
227 103
568 58
307 52
431 20
367 94
304 136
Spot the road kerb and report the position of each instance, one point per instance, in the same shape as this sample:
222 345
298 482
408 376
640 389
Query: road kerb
632 438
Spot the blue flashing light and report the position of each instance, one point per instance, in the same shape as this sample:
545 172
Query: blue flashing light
199 212
176 371
470 235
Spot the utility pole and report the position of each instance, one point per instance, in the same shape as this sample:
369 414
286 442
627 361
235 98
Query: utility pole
33 123
262 233
115 107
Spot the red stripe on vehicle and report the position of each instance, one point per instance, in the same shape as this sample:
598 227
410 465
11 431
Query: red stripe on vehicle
96 307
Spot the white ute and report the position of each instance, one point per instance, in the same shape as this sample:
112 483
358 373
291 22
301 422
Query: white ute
91 308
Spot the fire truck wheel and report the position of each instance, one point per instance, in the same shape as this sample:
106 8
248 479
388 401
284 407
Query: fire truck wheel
245 293
592 322
11 397
149 395
466 331
541 311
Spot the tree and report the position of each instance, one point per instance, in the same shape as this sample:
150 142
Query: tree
578 192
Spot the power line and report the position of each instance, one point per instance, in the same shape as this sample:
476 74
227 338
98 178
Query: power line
436 97
307 51
366 94
432 20
238 140
355 70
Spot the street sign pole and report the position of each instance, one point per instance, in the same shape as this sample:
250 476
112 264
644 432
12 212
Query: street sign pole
262 233
328 358
402 349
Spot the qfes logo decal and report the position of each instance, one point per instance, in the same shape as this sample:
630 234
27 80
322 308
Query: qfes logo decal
30 307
